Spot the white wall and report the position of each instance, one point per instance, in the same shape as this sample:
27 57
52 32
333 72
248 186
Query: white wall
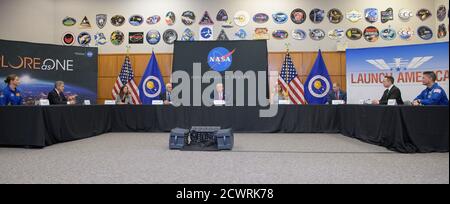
40 20
28 20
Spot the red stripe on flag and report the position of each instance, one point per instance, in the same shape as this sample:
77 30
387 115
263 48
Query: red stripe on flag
294 92
134 92
300 91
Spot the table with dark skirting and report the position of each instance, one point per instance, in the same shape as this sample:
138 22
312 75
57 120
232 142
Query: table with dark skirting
403 129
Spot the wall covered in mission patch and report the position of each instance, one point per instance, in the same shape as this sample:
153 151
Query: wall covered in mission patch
41 21
279 24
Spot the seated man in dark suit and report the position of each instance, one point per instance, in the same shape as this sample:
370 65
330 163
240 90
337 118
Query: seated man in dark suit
392 92
219 93
337 94
167 97
57 97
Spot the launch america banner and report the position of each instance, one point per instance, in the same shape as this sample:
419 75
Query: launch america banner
40 65
366 69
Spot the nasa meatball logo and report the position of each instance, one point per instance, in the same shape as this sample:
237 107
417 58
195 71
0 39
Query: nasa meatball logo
89 54
220 59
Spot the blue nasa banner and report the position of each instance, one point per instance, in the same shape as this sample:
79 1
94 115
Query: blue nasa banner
366 69
152 85
318 84
40 65
222 57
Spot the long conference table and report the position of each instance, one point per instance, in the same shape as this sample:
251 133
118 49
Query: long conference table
403 129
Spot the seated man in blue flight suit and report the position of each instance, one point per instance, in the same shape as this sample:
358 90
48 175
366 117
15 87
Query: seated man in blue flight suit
11 95
433 94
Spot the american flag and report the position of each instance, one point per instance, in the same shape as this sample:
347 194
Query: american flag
126 77
291 83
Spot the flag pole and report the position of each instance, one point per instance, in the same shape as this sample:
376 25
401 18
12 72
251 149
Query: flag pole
128 50
286 69
287 54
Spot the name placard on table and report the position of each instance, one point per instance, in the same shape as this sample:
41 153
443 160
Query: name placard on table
392 102
284 102
110 102
338 102
44 102
219 102
157 102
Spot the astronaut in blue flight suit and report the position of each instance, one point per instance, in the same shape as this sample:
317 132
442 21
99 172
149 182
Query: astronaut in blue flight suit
11 95
433 94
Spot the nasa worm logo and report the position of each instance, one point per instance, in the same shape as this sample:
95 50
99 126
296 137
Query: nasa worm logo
220 59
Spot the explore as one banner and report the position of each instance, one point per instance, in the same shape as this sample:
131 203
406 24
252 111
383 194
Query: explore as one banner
366 69
40 65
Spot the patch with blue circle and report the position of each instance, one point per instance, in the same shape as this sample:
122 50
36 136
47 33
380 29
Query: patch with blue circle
206 33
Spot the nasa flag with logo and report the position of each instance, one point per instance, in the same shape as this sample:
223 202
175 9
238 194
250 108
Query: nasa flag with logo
152 84
318 84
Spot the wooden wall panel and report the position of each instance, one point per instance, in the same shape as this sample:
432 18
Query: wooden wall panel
110 65
344 71
275 61
106 66
307 63
140 63
165 64
333 63
105 86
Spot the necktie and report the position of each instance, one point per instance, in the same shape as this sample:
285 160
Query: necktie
337 95
386 96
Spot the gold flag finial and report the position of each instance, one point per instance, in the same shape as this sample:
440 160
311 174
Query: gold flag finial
128 50
288 45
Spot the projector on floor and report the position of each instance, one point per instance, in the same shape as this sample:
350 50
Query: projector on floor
201 139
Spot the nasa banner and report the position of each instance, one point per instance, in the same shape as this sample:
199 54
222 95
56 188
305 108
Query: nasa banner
40 65
366 69
223 57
